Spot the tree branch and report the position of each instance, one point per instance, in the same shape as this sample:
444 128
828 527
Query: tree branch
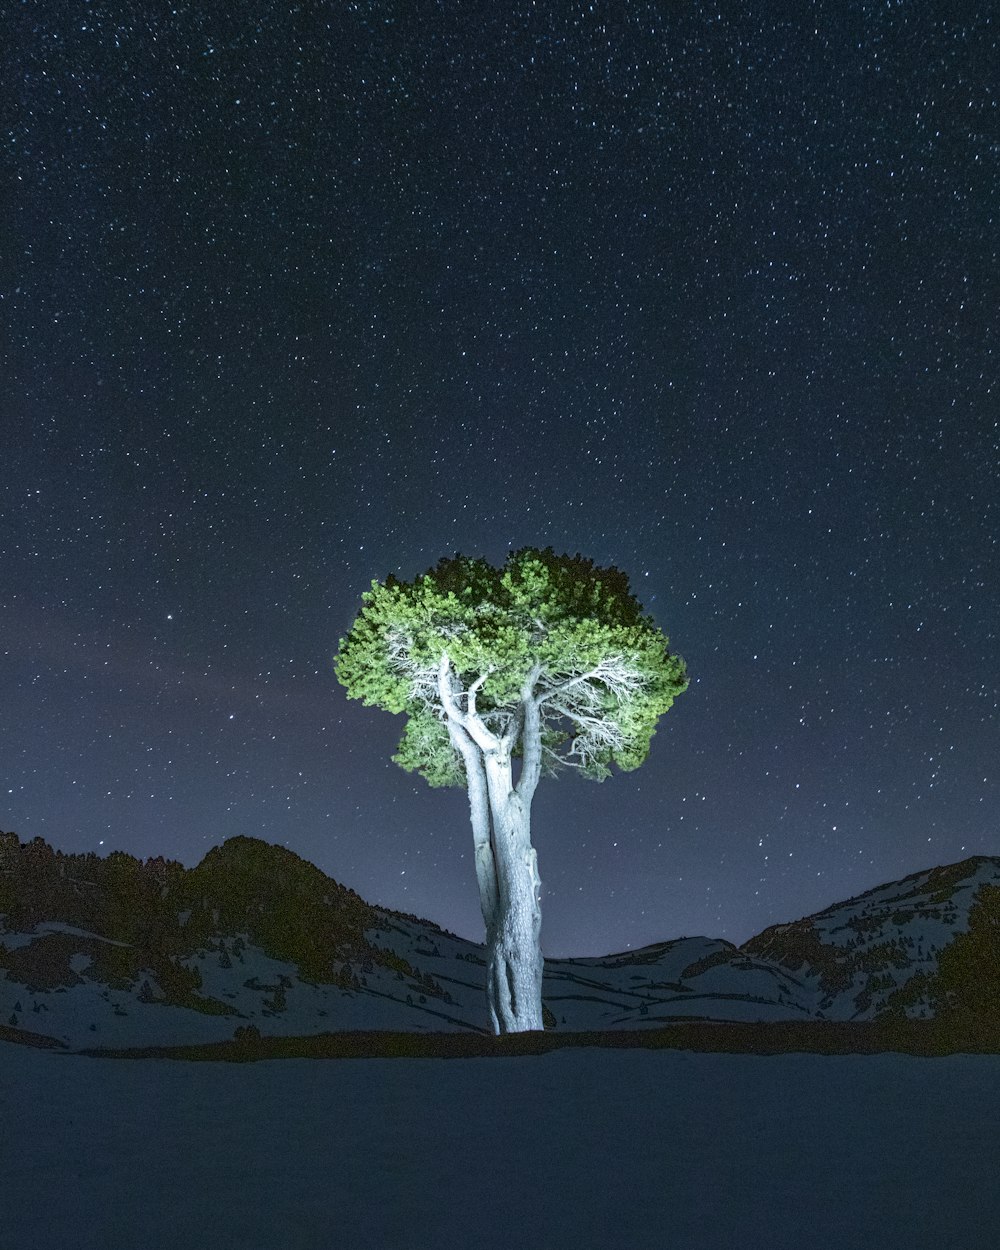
614 672
474 689
594 735
471 723
531 737
512 732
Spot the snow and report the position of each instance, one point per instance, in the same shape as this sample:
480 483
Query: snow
625 991
92 1013
640 1149
839 964
12 941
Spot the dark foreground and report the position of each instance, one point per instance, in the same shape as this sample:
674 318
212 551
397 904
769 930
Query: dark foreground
651 1149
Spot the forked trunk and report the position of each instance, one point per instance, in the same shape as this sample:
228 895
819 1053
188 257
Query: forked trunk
506 864
513 940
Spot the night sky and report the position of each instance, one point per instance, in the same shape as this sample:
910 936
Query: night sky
298 295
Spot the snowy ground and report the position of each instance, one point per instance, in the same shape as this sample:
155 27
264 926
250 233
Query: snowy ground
580 1148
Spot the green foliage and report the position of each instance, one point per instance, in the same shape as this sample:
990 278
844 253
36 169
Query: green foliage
561 615
968 973
425 748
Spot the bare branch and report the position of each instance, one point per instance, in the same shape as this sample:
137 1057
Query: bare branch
470 721
513 727
595 735
474 689
445 691
423 679
619 677
559 759
531 737
579 716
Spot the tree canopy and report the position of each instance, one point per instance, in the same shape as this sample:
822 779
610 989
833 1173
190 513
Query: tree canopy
553 629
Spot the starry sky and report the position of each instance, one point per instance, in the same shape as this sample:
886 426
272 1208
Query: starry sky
298 295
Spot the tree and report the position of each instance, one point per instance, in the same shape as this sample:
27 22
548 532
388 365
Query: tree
549 660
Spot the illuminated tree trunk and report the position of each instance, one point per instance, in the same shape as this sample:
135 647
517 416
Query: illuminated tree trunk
506 863
482 837
513 941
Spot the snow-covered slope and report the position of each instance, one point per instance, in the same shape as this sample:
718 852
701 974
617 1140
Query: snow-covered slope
911 946
240 985
113 952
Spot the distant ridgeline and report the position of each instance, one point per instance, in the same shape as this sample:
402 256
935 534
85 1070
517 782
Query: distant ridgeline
145 914
115 951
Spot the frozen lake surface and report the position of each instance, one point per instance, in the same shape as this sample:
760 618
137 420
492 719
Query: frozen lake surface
669 1150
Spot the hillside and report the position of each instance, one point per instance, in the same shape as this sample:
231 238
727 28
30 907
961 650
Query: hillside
120 952
928 943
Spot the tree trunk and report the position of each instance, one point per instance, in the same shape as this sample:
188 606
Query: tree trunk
482 841
482 828
506 863
513 941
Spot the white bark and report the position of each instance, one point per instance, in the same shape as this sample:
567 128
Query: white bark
588 700
506 862
514 953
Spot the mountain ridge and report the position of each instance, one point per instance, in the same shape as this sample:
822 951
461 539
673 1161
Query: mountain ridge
254 937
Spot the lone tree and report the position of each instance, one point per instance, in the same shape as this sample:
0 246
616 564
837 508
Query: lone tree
549 660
